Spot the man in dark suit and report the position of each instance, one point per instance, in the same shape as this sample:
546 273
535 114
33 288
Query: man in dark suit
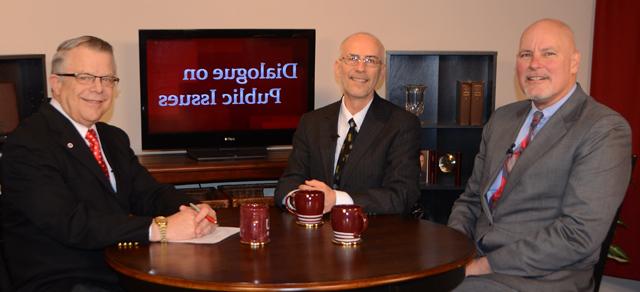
538 220
379 170
67 197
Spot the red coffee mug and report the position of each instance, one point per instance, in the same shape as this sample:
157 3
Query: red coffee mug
348 223
307 205
254 224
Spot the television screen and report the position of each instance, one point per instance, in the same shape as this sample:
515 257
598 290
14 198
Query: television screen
224 88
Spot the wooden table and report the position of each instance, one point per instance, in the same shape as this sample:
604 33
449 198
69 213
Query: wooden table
397 253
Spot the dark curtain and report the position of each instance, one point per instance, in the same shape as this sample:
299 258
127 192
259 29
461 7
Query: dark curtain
615 81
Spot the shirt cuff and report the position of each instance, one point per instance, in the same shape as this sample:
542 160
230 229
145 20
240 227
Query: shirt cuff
342 198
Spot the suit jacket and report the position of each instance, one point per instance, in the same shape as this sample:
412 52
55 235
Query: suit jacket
559 201
59 208
382 171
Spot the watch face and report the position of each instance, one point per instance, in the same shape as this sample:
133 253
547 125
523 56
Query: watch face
160 220
447 162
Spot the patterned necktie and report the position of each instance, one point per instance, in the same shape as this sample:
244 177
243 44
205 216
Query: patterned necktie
94 144
344 152
512 157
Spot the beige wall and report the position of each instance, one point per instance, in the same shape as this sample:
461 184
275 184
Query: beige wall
30 26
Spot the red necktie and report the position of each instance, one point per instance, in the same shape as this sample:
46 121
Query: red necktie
94 144
512 157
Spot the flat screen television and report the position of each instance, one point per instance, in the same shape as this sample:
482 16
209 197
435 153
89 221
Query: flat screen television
224 89
23 87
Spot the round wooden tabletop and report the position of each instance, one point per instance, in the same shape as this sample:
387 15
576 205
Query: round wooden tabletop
395 250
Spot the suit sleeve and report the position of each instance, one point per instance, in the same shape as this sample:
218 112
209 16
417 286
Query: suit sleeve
399 189
595 188
297 170
468 206
48 194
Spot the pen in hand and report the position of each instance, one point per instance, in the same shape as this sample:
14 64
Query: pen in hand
209 218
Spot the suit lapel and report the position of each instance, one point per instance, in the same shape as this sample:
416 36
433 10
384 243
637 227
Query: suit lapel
371 127
118 165
69 139
328 140
553 130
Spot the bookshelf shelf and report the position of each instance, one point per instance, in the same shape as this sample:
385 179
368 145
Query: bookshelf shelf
442 72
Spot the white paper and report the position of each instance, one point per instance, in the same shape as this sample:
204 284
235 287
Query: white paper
214 237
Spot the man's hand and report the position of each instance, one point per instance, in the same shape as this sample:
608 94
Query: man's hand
477 267
186 224
329 193
203 226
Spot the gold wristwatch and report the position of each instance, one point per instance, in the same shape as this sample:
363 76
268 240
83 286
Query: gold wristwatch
162 221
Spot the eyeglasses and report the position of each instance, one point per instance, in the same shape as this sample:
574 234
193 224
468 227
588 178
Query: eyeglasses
353 60
88 79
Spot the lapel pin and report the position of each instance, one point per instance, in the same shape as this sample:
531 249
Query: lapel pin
70 145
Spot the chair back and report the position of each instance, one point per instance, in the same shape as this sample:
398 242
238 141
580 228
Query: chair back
598 269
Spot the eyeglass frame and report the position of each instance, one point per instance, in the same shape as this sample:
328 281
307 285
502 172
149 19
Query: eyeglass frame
111 80
353 60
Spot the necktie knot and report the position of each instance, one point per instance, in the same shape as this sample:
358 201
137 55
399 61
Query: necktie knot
537 116
92 135
352 123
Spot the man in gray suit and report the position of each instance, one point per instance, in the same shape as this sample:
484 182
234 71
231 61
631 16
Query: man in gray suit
538 216
380 167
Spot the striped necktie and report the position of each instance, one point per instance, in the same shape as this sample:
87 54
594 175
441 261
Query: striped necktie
512 157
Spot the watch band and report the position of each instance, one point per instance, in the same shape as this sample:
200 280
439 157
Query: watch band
162 221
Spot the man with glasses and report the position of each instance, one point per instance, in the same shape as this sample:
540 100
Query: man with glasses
72 185
361 149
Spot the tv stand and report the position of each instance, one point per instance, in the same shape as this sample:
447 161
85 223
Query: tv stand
217 154
179 169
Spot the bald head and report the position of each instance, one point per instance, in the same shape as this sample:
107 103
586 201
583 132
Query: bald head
363 38
554 27
547 62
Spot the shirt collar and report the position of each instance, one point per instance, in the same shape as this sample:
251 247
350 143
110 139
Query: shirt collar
549 111
345 115
82 130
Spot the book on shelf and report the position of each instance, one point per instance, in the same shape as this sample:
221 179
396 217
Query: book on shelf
464 102
477 103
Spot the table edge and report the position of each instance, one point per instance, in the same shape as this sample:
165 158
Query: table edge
334 285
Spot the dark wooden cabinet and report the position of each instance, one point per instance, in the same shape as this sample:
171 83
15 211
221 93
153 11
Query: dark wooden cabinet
179 169
441 73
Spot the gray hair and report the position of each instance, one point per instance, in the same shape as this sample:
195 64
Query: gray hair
91 42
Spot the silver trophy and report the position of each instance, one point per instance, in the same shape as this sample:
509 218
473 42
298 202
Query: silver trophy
414 101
